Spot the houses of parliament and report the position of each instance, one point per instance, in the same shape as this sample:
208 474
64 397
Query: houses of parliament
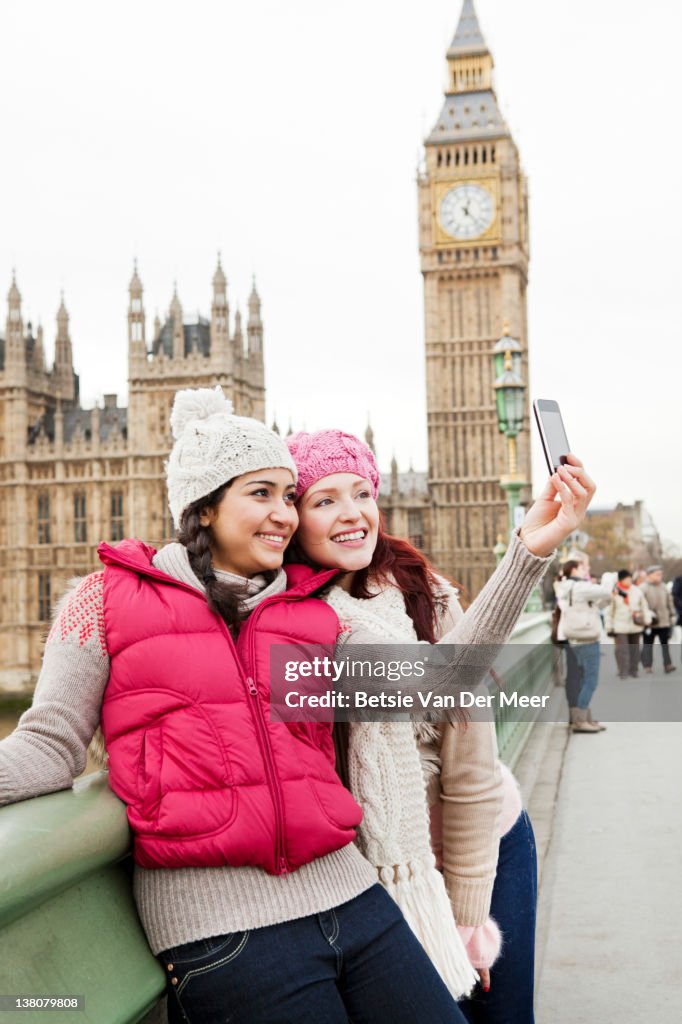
70 477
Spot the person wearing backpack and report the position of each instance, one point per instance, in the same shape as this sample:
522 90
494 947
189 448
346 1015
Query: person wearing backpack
579 600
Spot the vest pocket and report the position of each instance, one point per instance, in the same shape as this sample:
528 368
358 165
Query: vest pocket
149 774
336 803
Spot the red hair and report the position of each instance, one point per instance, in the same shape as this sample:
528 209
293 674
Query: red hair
397 561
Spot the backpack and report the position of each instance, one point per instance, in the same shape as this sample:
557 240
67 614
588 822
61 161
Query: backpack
580 621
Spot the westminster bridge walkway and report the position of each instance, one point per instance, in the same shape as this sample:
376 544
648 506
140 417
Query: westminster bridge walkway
607 811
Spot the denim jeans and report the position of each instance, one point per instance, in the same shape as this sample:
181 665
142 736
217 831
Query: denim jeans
359 961
574 676
510 999
588 657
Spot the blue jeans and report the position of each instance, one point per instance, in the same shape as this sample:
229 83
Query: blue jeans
359 961
587 656
510 999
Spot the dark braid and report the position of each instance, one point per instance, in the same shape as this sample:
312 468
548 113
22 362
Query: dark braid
222 599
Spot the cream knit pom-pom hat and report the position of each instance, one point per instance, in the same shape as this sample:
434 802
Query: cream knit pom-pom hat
213 446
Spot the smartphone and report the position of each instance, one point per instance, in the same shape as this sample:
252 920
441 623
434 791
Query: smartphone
552 432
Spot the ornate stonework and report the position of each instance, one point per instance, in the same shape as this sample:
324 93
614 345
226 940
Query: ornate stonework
70 477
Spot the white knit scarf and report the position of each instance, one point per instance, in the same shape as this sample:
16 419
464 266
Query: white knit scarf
386 778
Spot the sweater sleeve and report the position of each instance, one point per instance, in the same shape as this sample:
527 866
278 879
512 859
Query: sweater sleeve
471 803
471 807
48 748
495 611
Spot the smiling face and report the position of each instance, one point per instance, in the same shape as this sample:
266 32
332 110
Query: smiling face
339 523
253 522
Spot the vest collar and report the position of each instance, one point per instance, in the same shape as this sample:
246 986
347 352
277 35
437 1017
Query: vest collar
137 556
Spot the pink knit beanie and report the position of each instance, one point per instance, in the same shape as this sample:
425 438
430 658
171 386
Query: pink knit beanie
331 451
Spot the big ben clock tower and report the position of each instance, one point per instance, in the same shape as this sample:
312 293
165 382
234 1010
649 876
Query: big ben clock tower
473 232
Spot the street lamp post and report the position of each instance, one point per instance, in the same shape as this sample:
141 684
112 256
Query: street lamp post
509 403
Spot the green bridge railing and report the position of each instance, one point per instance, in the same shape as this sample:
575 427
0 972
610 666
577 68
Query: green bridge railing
532 673
68 924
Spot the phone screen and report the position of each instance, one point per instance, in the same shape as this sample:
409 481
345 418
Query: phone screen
553 433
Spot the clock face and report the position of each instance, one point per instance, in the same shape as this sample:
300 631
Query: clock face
466 211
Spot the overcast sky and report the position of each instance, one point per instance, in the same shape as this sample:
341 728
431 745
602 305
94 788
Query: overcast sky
286 135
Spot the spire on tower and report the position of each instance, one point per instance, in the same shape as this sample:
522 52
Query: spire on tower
62 320
468 39
470 111
63 355
137 346
254 304
369 436
14 305
255 325
394 477
178 329
135 286
14 295
219 279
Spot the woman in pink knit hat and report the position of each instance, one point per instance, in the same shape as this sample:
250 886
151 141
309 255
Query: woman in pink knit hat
454 799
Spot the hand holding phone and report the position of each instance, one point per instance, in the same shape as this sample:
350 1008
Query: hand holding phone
549 521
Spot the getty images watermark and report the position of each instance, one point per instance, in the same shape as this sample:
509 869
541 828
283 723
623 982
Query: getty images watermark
478 682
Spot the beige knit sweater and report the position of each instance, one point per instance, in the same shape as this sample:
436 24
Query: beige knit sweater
48 749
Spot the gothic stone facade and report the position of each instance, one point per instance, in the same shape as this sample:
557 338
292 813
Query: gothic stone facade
70 477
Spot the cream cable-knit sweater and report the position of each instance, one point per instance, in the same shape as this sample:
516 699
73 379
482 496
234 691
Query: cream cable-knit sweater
387 779
460 772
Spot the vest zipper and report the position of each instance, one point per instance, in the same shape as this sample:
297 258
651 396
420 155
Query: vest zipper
274 782
267 749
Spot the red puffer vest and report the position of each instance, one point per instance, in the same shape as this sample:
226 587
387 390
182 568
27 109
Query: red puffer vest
208 779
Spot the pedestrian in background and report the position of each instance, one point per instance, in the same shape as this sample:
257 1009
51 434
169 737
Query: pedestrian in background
579 600
627 616
660 601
